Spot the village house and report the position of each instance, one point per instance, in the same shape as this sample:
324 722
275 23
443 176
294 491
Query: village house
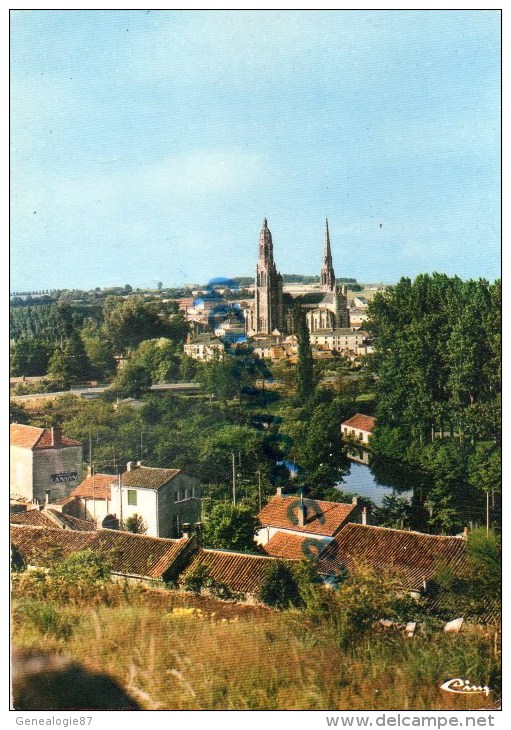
164 498
305 518
360 303
92 499
204 347
358 428
45 464
358 316
338 340
411 558
137 557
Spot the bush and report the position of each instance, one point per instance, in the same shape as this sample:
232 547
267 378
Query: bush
47 619
280 587
196 579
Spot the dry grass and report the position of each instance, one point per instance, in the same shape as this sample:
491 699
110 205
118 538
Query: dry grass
174 651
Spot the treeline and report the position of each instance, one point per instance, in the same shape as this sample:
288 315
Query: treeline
75 342
437 381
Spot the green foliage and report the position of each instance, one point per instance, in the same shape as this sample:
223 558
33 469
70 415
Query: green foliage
136 524
48 619
280 587
159 358
133 380
394 512
231 527
128 322
475 590
70 362
85 566
29 356
99 351
195 580
305 365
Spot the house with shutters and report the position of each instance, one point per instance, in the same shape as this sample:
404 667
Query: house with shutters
166 499
45 465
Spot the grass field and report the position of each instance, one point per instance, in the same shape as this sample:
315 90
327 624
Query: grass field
171 650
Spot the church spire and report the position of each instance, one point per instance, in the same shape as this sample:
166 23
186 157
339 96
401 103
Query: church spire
327 270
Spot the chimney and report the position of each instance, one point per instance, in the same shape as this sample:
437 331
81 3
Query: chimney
465 532
279 491
354 501
46 498
186 530
139 463
90 471
56 436
129 466
364 515
198 532
302 512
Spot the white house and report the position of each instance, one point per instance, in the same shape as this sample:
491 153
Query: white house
307 518
359 427
165 499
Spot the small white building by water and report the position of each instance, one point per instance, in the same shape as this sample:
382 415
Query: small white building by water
359 427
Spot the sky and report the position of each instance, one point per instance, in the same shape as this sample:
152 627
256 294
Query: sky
148 146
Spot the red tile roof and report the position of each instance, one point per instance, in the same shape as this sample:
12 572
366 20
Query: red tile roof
95 487
294 547
134 555
148 477
360 421
240 572
30 437
33 517
34 542
51 518
411 556
322 518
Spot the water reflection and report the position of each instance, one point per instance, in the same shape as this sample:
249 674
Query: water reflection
376 478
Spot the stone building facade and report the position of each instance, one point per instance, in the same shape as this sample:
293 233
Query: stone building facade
272 312
266 314
45 465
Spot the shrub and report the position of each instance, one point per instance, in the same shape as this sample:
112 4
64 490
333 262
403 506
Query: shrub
47 619
196 579
281 585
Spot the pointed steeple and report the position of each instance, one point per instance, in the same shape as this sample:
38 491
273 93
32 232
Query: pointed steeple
265 244
327 270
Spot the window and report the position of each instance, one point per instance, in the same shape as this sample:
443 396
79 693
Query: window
132 497
176 496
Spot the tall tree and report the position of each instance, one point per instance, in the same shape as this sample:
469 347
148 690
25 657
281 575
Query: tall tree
305 365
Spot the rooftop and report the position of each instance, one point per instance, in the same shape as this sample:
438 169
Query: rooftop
51 518
238 571
294 547
322 518
148 477
411 556
360 421
135 555
97 486
30 437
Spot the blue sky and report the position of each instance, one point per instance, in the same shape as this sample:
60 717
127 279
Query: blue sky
148 146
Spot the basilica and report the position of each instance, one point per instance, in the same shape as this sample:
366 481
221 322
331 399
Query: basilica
273 312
